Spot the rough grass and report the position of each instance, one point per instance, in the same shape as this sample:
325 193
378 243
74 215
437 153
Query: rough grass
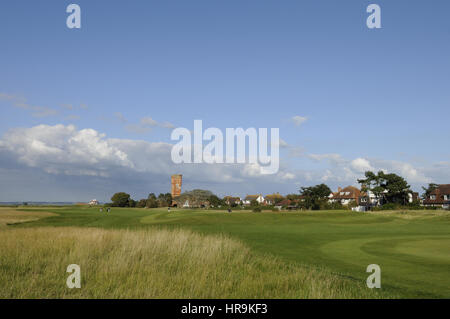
154 263
413 214
10 216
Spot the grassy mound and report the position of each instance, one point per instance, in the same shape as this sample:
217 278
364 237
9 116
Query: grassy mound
154 264
10 216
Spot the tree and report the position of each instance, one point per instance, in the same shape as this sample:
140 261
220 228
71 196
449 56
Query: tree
165 200
315 196
254 203
132 203
120 199
372 183
141 203
391 188
215 201
431 187
152 201
196 198
293 196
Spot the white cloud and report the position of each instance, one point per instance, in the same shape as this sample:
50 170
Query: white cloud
22 103
344 170
333 158
71 107
67 106
148 121
145 124
281 144
297 151
72 117
415 175
299 120
64 150
361 165
120 117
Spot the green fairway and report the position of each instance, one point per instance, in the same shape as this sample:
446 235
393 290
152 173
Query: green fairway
412 248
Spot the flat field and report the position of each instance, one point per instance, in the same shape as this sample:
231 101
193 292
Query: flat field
150 253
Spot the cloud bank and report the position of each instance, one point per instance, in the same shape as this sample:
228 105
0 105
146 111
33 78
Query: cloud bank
84 162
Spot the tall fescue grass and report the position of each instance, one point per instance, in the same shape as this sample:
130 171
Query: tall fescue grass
153 264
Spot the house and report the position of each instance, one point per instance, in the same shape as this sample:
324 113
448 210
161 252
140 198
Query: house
440 197
196 198
248 199
94 202
192 203
345 195
369 199
413 197
285 203
274 198
289 204
232 201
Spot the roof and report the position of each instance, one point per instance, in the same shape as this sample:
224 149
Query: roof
285 202
442 189
349 192
232 198
274 196
439 192
251 197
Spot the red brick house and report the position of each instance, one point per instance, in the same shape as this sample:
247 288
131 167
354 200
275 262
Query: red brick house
274 198
440 197
232 201
345 195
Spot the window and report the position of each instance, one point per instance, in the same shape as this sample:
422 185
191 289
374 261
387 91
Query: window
446 197
347 193
432 197
341 193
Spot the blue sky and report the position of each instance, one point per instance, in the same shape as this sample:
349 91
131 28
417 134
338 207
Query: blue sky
371 98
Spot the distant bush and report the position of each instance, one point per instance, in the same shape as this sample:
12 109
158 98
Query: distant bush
141 203
390 206
332 206
121 199
352 204
256 209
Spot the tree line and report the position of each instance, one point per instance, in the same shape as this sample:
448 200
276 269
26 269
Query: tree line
123 199
389 188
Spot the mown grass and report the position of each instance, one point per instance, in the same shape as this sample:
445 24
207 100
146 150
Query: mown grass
154 264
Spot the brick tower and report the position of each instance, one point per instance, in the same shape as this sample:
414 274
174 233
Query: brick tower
177 180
